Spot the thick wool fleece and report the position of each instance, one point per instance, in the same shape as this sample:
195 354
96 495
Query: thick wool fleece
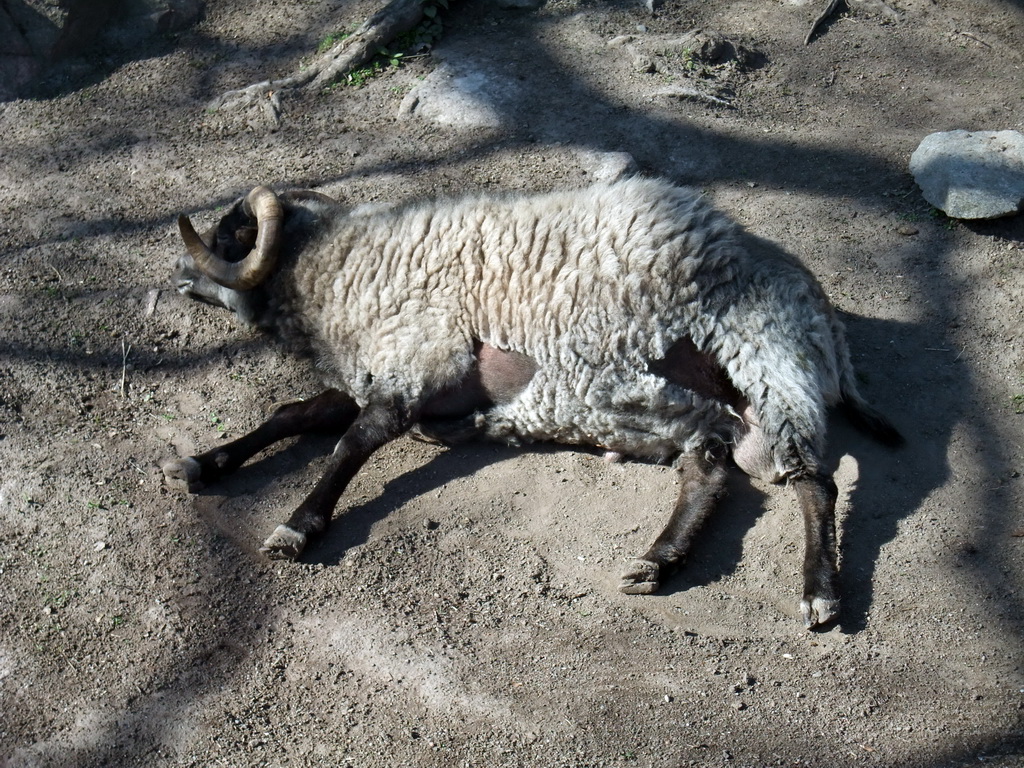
594 285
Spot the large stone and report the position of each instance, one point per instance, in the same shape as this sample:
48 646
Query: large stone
35 34
971 175
462 93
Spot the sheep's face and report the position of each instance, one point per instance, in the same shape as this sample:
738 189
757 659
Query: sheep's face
231 264
188 281
231 239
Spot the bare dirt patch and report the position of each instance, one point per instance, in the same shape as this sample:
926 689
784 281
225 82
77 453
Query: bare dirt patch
463 610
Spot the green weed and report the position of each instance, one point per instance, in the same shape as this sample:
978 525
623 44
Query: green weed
419 39
943 219
329 42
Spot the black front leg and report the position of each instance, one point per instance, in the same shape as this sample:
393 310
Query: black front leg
817 495
702 485
375 426
330 412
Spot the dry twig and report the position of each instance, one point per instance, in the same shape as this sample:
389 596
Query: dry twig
125 349
975 39
686 93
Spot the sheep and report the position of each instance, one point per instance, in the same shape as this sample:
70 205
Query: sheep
630 316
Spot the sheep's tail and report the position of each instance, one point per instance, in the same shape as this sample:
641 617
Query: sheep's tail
861 414
870 421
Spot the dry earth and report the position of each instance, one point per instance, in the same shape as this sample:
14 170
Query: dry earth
463 610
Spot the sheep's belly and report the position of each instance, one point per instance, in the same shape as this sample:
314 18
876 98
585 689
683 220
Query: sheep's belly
634 413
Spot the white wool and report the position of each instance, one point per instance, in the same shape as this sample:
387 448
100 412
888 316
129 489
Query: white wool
593 285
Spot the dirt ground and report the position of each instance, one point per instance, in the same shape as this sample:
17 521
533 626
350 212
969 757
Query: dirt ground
463 610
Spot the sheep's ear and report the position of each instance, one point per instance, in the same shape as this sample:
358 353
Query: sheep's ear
246 236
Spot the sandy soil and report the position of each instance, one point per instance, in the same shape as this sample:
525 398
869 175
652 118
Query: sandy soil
463 610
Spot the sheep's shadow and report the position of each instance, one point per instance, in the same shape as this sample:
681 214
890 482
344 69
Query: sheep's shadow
891 484
716 554
351 526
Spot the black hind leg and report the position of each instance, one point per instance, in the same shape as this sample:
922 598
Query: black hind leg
817 496
702 485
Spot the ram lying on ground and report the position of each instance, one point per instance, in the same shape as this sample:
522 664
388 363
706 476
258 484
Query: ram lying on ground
630 316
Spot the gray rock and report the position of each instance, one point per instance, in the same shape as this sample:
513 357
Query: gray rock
456 97
971 175
462 92
607 166
36 34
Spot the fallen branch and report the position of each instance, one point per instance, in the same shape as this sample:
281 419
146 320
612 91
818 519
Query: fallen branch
394 19
829 10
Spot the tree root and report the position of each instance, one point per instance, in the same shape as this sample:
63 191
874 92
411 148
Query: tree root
394 19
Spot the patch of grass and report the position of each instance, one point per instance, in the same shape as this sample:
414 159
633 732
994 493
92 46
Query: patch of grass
329 42
941 218
385 60
431 28
420 39
690 63
59 600
357 78
1017 403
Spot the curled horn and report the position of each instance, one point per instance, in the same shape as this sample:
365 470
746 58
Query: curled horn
261 204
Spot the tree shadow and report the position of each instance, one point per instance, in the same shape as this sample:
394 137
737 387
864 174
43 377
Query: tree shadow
95 38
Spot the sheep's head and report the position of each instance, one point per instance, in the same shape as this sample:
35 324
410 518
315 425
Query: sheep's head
234 256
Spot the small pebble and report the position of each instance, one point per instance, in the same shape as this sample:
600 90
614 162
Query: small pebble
99 546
